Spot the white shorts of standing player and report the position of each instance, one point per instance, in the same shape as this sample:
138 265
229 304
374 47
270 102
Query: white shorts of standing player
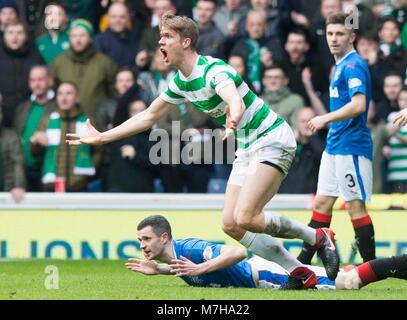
349 176
276 148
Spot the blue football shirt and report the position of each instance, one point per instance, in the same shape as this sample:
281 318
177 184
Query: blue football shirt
351 136
199 251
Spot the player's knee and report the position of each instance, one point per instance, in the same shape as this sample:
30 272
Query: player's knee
229 227
357 209
244 219
323 206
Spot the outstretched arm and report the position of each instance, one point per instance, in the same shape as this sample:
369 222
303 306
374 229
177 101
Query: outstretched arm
148 267
228 257
354 108
136 124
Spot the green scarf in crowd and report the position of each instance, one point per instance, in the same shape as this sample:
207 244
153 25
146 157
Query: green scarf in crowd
83 158
254 63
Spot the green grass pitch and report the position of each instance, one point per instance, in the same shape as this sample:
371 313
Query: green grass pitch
97 279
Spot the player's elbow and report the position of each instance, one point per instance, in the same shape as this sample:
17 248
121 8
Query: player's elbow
240 253
360 108
359 102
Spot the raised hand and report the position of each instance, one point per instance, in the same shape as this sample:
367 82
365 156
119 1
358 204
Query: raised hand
401 118
91 136
147 267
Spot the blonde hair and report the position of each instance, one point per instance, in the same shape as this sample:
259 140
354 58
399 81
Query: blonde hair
182 25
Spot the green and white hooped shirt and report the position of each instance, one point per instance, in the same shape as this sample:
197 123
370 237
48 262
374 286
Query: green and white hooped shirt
202 86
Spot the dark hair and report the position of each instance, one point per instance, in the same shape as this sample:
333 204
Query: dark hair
57 4
339 18
158 223
388 19
274 67
300 32
70 83
215 3
127 69
393 74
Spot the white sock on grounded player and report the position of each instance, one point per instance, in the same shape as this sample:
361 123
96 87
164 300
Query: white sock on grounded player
281 226
270 249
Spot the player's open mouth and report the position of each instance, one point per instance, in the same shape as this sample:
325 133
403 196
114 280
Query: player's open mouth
165 54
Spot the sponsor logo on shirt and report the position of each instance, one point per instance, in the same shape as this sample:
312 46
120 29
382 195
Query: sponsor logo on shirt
216 113
354 82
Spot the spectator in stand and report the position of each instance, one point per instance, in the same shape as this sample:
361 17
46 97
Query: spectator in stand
92 72
315 100
211 40
297 47
228 15
17 57
8 13
130 169
56 39
253 46
278 96
368 48
27 121
239 64
397 173
319 46
32 12
393 84
303 174
151 35
104 23
117 42
391 50
278 18
74 165
105 111
399 11
11 163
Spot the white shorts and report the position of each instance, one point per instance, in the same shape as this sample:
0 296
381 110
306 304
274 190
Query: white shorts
349 176
276 148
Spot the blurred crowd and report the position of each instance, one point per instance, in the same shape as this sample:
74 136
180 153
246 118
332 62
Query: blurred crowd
62 62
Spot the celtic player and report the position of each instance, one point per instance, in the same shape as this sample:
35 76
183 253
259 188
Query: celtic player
266 148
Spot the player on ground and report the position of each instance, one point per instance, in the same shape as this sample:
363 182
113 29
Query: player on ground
346 166
266 147
200 263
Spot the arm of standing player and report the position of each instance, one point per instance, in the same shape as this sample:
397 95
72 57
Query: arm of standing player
234 108
354 108
138 123
228 257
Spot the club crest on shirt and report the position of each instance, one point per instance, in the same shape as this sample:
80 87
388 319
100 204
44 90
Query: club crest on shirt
207 254
219 78
354 82
333 92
